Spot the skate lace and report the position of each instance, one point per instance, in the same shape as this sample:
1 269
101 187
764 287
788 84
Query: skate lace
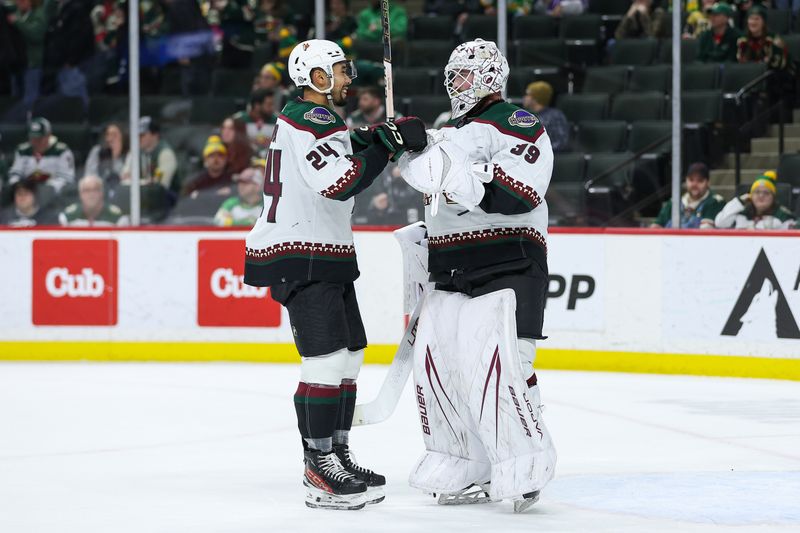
351 461
333 468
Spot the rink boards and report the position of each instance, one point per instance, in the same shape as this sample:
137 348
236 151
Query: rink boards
716 303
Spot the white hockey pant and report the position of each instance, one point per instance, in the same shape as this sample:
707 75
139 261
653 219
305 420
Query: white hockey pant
478 422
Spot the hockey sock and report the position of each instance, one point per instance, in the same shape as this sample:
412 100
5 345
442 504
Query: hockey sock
317 408
347 407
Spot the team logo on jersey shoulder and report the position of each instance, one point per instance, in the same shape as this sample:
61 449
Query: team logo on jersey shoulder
320 115
522 119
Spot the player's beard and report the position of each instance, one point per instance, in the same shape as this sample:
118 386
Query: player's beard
338 97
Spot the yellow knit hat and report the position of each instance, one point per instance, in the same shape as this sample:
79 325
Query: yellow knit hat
214 145
541 91
767 179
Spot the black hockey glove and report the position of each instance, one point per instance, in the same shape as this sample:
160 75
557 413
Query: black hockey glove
361 138
407 133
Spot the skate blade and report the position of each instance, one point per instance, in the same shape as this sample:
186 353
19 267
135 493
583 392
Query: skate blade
522 505
319 499
375 495
468 496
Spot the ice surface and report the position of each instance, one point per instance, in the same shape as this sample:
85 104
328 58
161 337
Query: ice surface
198 448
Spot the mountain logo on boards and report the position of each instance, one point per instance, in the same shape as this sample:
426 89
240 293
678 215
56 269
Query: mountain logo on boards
761 312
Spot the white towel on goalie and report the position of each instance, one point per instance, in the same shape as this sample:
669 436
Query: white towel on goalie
478 421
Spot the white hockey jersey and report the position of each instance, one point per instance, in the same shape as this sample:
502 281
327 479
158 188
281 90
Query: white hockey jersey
510 223
311 175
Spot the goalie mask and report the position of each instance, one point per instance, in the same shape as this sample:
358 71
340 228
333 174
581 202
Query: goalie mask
317 53
475 70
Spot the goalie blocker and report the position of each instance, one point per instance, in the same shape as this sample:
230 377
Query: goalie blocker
480 423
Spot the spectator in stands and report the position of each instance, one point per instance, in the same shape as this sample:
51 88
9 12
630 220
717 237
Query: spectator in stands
108 17
448 7
31 21
273 76
369 22
234 136
718 43
269 19
69 48
538 96
697 20
259 118
43 158
215 174
339 24
26 210
158 161
245 208
92 209
759 45
642 20
699 205
370 108
108 158
554 8
758 209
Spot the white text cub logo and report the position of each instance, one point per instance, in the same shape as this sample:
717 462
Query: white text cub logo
59 283
226 284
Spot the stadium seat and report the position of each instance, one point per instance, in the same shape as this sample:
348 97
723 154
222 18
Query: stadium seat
57 108
565 194
12 135
600 163
645 133
737 75
427 53
232 83
428 108
76 136
104 109
602 136
537 27
569 168
480 26
552 52
609 7
609 80
634 52
651 78
701 107
212 110
793 44
700 76
262 54
789 169
368 50
520 78
779 21
438 28
689 50
578 107
583 52
584 27
637 106
154 201
413 81
171 81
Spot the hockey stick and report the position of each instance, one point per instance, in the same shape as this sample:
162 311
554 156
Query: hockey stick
384 403
387 60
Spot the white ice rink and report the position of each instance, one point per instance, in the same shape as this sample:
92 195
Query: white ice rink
199 448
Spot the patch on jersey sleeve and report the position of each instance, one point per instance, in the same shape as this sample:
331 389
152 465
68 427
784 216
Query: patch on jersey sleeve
522 119
320 115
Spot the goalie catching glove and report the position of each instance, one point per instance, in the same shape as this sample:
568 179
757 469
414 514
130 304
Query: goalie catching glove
407 133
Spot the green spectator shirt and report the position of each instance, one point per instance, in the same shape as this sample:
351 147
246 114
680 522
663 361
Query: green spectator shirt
711 51
110 215
370 28
700 215
234 212
33 25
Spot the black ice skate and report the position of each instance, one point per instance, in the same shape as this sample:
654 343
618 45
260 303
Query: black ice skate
527 500
375 482
329 485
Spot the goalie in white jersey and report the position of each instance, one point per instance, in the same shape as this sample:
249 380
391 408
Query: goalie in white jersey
485 175
302 248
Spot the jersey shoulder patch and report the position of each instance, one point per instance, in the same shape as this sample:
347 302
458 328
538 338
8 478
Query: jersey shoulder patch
316 119
512 120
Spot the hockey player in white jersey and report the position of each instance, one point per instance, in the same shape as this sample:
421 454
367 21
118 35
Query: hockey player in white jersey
485 175
302 248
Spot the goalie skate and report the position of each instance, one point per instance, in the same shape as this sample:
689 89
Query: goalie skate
526 501
469 495
329 485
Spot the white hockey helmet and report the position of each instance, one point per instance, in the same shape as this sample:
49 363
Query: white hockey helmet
316 53
475 70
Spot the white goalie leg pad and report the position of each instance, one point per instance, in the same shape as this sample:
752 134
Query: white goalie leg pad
414 245
454 456
527 355
326 369
511 428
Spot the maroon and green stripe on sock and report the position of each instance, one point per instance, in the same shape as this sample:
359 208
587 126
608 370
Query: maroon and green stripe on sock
317 408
